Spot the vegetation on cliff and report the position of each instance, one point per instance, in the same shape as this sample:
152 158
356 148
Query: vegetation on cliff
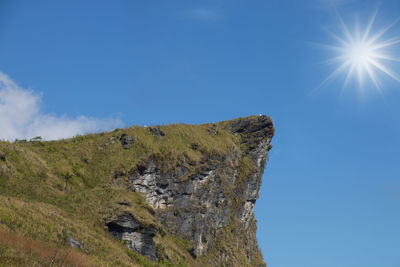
61 202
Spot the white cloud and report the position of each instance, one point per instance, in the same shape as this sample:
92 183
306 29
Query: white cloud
203 13
21 116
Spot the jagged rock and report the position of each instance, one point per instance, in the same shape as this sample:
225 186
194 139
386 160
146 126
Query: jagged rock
250 125
197 205
126 141
73 242
137 237
156 131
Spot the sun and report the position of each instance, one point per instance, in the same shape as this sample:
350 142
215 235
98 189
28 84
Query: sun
363 54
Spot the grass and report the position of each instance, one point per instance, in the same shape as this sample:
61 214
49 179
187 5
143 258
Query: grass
28 251
48 188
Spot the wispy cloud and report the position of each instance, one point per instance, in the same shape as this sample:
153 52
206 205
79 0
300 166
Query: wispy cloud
21 116
204 13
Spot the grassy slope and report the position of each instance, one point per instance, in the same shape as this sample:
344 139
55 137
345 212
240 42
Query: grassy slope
50 188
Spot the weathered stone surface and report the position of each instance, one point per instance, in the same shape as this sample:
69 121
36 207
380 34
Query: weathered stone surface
73 242
138 238
156 131
196 205
126 141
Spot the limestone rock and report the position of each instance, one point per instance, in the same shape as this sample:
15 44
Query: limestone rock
138 238
73 242
156 131
126 141
196 205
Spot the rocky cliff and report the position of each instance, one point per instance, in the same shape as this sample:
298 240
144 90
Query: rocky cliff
177 194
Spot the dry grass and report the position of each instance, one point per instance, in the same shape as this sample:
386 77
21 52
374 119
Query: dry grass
36 208
48 224
49 255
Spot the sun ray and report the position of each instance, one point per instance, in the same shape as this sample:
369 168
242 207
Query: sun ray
335 72
338 38
386 57
337 59
369 27
345 29
373 78
330 47
387 43
349 74
381 32
385 70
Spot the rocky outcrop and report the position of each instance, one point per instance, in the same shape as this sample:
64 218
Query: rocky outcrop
192 205
256 137
156 131
126 141
197 200
73 242
136 236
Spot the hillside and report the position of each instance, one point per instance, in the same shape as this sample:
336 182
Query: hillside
175 195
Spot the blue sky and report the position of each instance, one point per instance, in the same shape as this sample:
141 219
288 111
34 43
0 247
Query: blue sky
331 191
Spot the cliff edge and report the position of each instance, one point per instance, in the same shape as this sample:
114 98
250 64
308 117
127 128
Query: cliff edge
141 196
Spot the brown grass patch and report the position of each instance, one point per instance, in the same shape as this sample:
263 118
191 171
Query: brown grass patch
56 256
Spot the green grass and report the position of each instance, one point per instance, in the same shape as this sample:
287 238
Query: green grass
48 188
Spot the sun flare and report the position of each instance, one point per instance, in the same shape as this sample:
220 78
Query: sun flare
363 55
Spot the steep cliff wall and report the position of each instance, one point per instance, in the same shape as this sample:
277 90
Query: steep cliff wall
177 194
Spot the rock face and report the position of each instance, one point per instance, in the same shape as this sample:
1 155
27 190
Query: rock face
197 201
137 237
191 205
